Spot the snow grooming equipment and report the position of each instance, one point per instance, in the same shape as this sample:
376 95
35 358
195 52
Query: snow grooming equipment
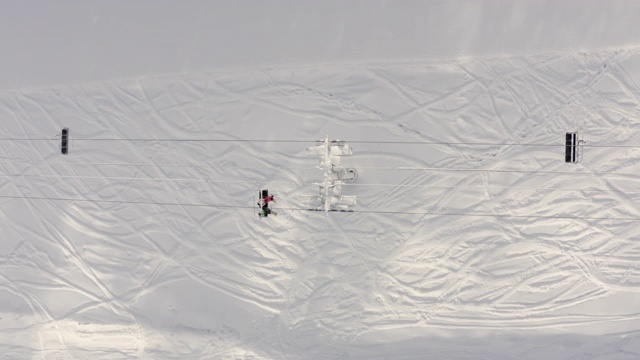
574 148
330 196
64 141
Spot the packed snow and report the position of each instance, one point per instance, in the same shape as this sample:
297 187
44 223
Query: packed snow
471 237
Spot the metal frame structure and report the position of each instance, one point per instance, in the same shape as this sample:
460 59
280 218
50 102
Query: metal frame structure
330 197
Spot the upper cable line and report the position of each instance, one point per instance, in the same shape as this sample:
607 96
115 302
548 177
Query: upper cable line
284 141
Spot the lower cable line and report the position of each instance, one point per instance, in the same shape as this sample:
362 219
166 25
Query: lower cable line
229 207
257 181
44 198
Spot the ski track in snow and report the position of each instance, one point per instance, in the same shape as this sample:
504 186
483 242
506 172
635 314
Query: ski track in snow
122 280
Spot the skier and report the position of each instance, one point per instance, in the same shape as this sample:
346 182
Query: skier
266 200
269 199
266 211
263 204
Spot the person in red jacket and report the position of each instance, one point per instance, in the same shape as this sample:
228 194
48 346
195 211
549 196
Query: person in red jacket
265 206
265 201
268 199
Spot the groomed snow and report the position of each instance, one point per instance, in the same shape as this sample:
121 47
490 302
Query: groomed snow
143 242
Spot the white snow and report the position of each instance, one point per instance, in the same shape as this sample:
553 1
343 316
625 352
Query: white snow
125 249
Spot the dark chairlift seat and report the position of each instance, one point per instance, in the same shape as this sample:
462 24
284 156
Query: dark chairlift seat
64 143
571 148
265 211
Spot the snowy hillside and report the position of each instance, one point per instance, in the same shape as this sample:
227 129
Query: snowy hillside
472 238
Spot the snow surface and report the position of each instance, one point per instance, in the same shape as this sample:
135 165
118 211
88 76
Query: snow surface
124 249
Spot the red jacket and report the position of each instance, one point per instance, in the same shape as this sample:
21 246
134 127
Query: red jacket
268 199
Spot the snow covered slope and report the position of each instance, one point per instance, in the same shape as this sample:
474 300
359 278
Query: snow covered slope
143 242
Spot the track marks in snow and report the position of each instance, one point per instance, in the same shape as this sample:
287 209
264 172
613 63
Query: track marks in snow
307 278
